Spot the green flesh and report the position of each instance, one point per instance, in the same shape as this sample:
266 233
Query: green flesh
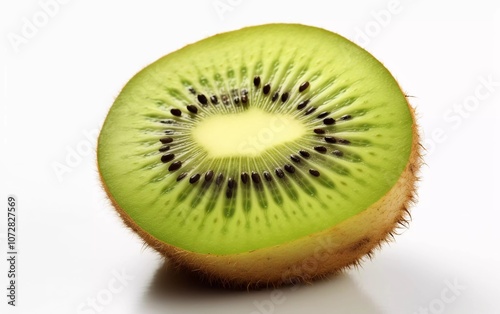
259 135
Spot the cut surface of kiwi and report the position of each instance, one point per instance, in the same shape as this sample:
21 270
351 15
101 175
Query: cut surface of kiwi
246 153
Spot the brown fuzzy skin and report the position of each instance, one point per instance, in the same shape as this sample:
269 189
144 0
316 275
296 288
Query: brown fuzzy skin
307 258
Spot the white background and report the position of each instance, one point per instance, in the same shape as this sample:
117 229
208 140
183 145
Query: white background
60 80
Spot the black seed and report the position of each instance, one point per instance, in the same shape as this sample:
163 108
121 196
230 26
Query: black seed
338 153
164 148
192 108
192 91
229 193
176 112
314 172
279 173
236 97
319 131
225 99
344 141
256 81
181 176
244 96
304 153
214 99
303 104
219 179
346 117
169 132
255 177
230 183
323 114
266 89
209 175
268 176
321 149
329 121
330 139
244 177
310 110
194 178
303 86
295 158
168 121
275 96
284 97
175 165
166 140
202 99
289 168
167 157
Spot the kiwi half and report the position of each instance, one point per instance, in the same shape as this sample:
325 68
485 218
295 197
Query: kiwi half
265 155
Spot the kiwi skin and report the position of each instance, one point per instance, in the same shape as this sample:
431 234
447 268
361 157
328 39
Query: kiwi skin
309 258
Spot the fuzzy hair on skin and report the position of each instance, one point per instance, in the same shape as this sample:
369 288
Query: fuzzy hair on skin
309 258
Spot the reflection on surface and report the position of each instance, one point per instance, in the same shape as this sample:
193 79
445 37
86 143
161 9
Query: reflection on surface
174 291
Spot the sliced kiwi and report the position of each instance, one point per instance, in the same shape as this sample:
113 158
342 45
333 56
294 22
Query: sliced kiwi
265 155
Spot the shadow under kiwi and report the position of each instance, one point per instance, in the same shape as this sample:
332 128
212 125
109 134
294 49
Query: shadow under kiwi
174 290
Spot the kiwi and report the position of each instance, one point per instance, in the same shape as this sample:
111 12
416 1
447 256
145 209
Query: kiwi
267 155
